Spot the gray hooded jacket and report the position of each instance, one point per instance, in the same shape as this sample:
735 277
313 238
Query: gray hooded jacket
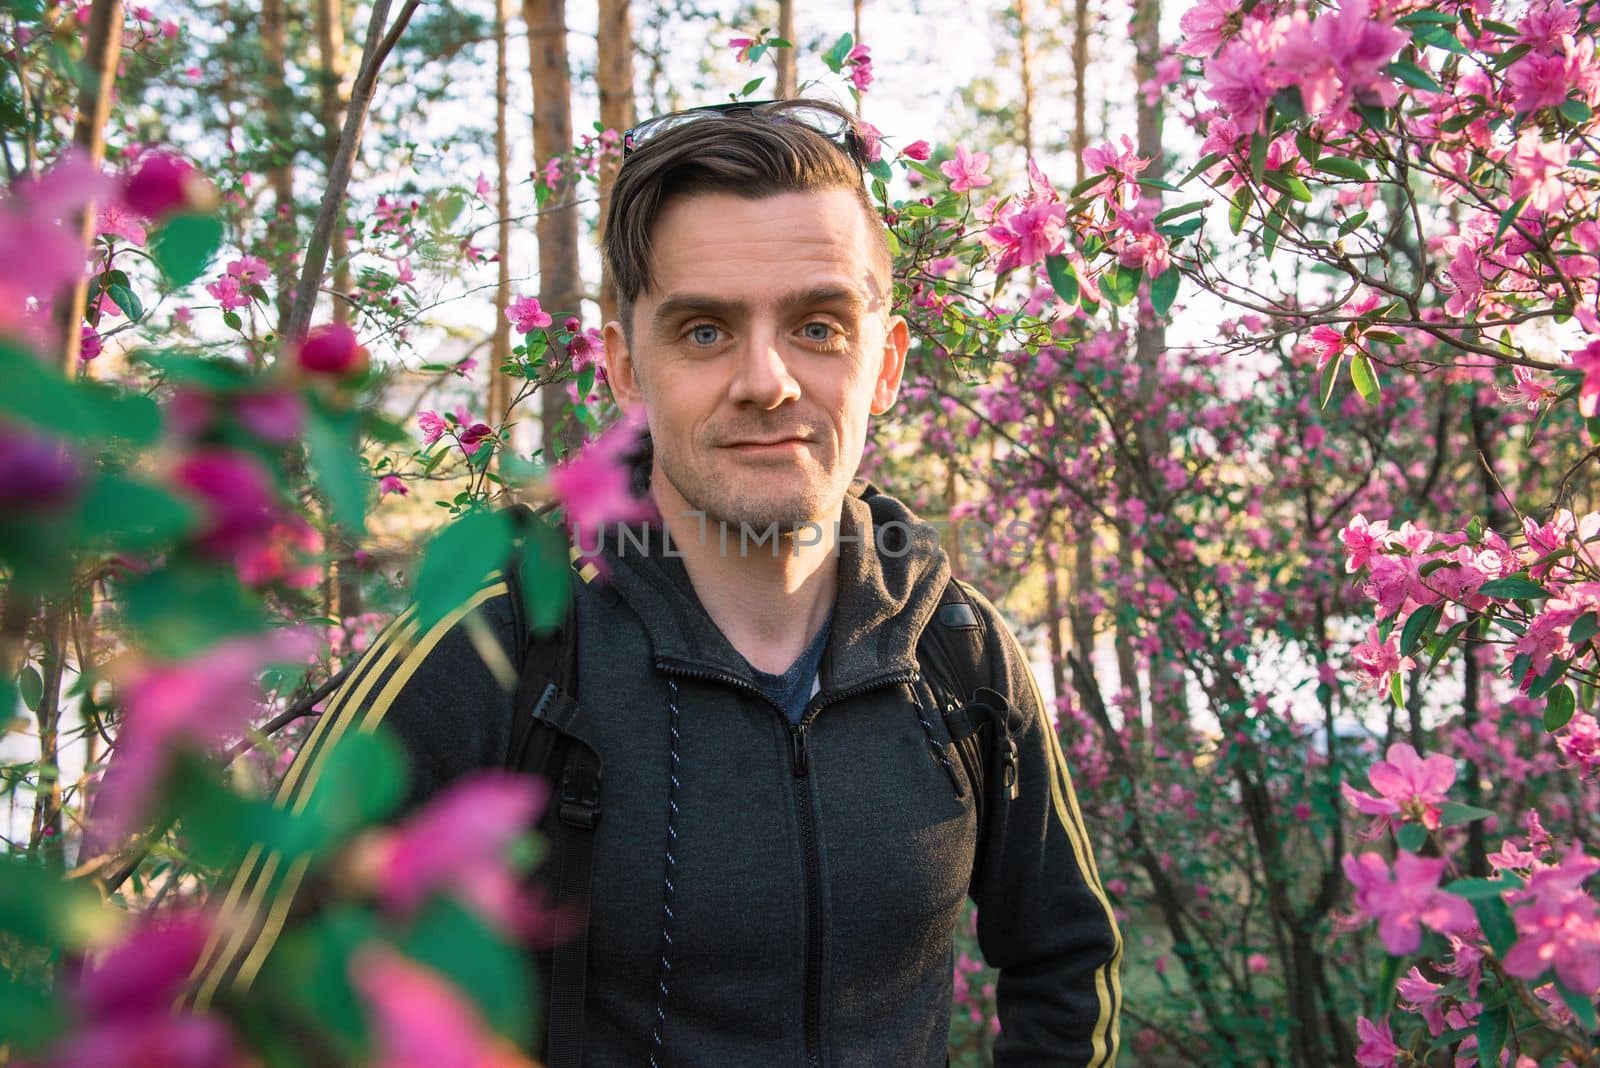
818 870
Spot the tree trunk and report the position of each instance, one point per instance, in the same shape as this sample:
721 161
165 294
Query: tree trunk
330 108
1080 68
787 77
560 285
1025 58
500 351
102 49
46 828
615 77
276 108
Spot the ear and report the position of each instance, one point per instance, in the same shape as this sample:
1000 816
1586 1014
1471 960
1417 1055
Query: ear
896 343
621 373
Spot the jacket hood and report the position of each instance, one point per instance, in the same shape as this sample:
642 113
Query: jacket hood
892 573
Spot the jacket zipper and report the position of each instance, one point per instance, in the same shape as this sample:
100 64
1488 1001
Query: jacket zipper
808 841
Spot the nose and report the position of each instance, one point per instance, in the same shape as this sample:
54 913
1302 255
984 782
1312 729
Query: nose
763 377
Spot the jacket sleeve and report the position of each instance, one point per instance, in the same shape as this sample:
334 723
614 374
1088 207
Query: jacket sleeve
443 693
1043 918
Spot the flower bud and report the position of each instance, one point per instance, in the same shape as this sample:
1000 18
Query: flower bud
163 184
332 349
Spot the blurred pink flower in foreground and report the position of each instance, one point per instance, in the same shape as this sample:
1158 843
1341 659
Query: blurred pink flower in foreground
124 1001
199 702
1558 927
420 1020
1407 899
458 845
595 486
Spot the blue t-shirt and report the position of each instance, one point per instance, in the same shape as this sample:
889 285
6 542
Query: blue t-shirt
791 690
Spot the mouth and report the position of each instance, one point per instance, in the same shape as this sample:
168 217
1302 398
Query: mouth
770 445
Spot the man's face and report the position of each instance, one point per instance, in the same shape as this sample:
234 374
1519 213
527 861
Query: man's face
766 323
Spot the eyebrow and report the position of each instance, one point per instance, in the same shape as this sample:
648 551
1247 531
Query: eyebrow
683 305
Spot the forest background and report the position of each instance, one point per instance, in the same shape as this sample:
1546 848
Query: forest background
1255 372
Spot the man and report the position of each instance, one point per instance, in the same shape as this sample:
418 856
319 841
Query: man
784 851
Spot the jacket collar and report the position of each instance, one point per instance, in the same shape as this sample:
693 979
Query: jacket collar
892 573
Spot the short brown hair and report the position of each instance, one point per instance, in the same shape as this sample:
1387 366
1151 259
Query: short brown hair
752 155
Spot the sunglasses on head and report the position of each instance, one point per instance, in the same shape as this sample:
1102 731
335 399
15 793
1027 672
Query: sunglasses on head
835 126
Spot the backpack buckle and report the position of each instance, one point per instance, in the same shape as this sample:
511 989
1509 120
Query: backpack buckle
580 796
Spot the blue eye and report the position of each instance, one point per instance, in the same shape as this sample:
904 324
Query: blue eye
704 334
819 332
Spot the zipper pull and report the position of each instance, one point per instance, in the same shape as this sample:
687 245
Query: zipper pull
801 766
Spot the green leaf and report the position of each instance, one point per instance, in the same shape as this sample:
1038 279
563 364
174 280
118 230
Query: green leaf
834 57
363 780
1063 279
127 514
1120 284
1493 1025
1340 167
1259 143
1413 76
30 1017
1179 211
1164 290
1277 218
1288 103
214 373
1453 814
1509 216
231 320
1582 1006
1495 921
456 562
545 575
127 300
1575 111
1209 160
1410 836
1363 377
1239 208
454 942
34 394
39 908
1513 587
184 247
1559 706
1330 379
1388 981
752 85
218 824
1482 889
30 684
450 207
1352 224
1544 683
1419 627
336 462
180 610
1428 18
1583 629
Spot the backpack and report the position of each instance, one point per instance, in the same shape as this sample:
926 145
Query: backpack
547 739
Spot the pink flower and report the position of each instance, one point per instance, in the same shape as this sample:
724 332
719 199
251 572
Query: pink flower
228 293
1558 928
917 150
1377 1049
1377 659
1421 996
457 845
331 349
37 474
392 484
594 487
741 47
586 347
1579 742
1529 390
1120 168
473 437
1540 81
1257 964
162 184
1407 899
1361 540
526 315
275 416
1536 166
1337 59
1587 360
236 495
433 427
1027 233
89 345
1206 25
1237 80
117 221
1408 786
872 137
250 270
860 63
969 170
199 702
420 1020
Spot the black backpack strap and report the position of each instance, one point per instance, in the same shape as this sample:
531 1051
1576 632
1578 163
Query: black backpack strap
546 740
953 656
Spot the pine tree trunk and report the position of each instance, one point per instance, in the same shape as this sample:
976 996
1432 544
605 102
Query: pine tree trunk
102 49
560 285
787 78
615 76
500 351
1025 58
1080 96
275 106
330 110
